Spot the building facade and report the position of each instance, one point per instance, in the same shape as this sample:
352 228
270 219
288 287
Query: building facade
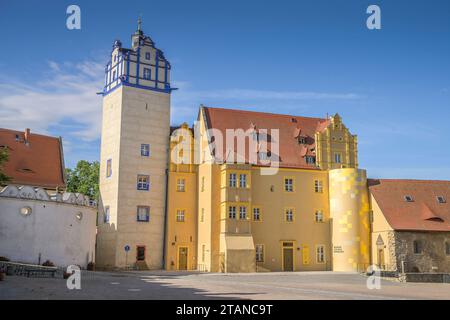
238 191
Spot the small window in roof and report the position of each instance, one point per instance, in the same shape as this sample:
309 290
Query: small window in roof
409 198
440 199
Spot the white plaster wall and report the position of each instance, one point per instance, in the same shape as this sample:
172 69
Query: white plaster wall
51 230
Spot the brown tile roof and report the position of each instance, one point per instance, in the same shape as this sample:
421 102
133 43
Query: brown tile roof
34 159
424 213
292 154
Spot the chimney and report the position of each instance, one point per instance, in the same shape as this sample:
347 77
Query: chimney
27 135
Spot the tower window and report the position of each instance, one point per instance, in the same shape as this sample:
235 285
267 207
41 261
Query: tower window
302 140
143 182
114 75
447 248
106 215
143 213
409 198
440 199
108 168
232 212
145 150
147 73
147 55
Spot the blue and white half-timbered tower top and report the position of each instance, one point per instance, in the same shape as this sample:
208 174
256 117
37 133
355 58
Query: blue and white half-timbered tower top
143 66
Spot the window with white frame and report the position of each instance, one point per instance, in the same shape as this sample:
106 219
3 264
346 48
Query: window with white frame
147 73
145 150
318 186
143 182
143 213
242 213
288 184
256 214
259 252
289 214
242 181
180 215
440 199
181 185
232 212
409 198
232 182
320 254
319 216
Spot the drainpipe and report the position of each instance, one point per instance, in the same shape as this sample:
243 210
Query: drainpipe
165 217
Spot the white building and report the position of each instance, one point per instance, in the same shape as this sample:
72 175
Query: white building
38 221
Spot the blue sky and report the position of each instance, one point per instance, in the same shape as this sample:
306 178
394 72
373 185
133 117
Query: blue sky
310 58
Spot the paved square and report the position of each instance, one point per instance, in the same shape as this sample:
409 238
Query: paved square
187 286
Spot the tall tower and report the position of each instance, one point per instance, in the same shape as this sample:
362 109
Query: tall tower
134 156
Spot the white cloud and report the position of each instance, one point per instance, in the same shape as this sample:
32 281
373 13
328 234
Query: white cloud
65 94
64 100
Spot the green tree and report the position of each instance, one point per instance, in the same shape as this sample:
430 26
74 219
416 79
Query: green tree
84 178
4 156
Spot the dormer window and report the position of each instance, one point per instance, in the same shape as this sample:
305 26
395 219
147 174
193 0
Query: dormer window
409 198
147 56
440 199
302 140
310 159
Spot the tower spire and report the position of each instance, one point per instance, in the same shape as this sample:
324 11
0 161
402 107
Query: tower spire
139 24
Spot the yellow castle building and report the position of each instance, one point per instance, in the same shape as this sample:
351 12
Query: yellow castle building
239 191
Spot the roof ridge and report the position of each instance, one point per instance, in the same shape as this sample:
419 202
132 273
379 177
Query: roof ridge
31 133
409 180
267 113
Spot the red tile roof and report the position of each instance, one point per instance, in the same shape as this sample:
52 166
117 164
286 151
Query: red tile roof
292 154
34 159
424 213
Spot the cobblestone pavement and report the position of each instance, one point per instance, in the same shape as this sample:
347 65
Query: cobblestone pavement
186 286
